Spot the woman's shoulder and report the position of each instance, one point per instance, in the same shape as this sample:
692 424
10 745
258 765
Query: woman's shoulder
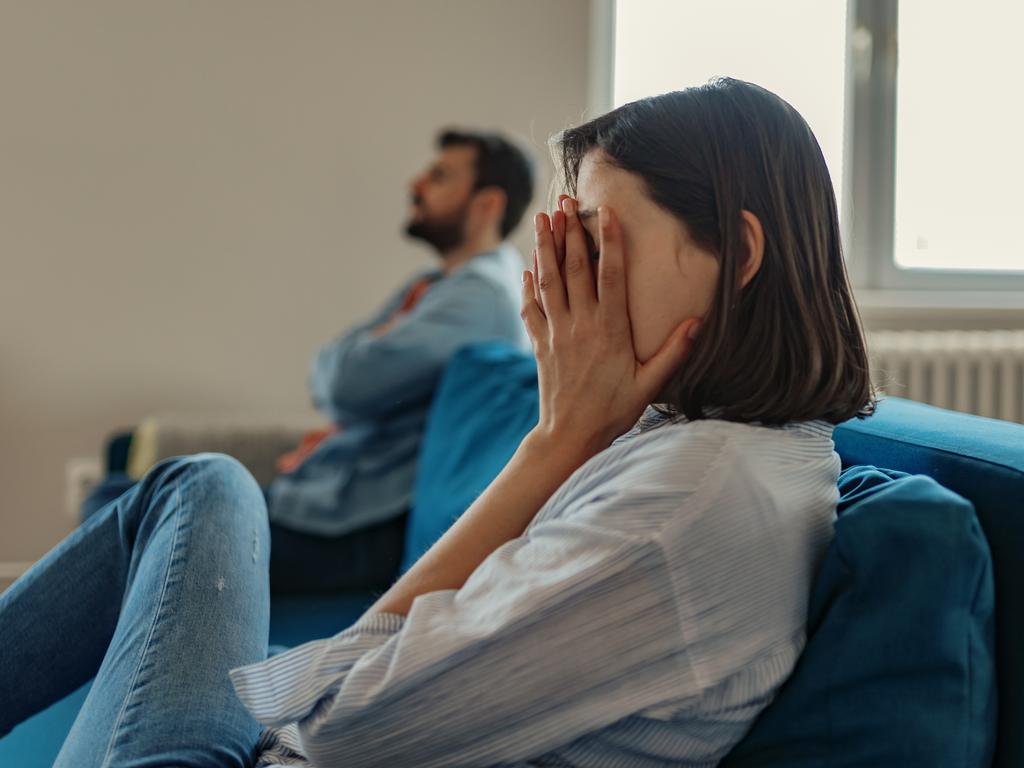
673 443
667 470
673 450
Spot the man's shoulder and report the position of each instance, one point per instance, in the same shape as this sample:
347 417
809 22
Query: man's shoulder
493 278
501 267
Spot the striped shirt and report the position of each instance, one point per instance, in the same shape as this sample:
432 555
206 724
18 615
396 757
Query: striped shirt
646 616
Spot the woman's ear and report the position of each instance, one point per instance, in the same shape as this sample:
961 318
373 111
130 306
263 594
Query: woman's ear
753 241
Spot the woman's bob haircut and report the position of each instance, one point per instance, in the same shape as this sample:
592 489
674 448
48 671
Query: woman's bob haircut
788 346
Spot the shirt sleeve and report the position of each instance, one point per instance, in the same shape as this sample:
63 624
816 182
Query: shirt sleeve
362 375
318 392
560 632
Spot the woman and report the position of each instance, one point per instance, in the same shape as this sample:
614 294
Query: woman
629 601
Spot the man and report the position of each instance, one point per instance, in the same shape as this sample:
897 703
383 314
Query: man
338 509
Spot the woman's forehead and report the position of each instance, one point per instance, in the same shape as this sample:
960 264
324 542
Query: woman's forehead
601 182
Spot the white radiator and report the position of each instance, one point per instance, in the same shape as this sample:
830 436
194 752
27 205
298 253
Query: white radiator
978 372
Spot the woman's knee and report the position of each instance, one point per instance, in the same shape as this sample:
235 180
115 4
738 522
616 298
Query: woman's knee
220 471
218 487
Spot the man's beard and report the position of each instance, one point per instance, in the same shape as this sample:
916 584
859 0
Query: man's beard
443 234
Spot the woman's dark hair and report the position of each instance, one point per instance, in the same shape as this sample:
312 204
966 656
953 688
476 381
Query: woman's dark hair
788 346
499 163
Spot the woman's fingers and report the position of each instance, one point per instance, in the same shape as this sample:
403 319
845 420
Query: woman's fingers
558 227
549 277
533 318
611 276
655 373
536 287
558 232
579 277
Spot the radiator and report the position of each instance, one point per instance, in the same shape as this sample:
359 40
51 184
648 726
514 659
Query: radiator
979 372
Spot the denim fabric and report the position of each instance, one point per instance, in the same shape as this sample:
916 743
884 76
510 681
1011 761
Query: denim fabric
108 489
139 596
305 563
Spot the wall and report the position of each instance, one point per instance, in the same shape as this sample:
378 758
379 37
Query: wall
193 195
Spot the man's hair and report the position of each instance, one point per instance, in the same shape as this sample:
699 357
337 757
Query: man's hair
788 346
499 163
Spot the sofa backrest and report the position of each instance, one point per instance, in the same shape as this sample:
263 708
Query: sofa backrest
485 404
983 461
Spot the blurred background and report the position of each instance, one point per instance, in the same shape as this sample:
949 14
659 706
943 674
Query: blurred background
194 195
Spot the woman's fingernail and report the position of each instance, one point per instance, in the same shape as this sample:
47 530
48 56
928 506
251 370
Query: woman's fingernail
538 223
526 274
569 206
602 217
693 331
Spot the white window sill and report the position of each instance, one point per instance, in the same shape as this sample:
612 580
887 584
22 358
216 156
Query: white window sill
914 300
941 309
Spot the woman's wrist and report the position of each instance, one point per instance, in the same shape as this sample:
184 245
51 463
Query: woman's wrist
544 460
563 446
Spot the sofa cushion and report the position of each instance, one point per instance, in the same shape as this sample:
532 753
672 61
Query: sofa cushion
485 404
983 461
899 666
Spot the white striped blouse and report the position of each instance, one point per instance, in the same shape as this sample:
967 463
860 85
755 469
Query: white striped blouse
646 616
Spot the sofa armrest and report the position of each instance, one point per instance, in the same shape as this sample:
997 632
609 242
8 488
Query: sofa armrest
256 443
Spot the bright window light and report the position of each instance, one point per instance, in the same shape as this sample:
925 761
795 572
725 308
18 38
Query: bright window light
959 145
795 48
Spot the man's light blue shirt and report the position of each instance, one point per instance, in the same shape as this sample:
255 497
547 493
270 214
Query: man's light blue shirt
380 387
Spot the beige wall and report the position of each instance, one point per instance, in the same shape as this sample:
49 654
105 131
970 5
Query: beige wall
193 195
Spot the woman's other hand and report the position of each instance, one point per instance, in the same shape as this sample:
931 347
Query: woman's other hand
592 387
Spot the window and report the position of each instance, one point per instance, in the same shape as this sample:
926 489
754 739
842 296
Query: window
959 135
926 158
794 48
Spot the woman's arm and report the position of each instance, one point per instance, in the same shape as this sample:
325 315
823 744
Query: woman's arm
539 466
559 633
591 390
500 645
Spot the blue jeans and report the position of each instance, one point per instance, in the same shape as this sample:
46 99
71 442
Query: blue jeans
306 563
158 595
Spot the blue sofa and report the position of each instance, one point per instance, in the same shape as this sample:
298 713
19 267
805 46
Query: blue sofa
982 460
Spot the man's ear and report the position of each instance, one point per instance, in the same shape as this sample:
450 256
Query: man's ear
753 241
492 202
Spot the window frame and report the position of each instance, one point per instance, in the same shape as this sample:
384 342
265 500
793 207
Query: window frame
869 161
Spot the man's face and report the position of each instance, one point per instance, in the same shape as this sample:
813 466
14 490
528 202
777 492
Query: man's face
440 197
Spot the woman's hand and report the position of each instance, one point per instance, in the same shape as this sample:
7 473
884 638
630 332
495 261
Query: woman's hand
592 387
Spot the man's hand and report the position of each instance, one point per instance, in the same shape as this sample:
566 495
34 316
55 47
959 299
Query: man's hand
386 326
